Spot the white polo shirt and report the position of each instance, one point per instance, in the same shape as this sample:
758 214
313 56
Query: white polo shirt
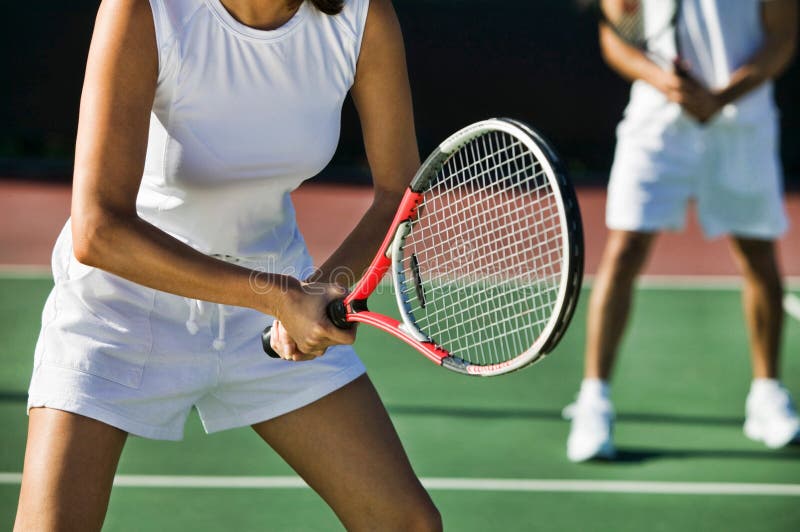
715 37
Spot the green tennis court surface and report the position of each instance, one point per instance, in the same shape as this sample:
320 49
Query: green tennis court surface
679 394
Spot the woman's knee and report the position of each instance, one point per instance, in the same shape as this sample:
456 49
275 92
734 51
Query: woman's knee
419 516
425 518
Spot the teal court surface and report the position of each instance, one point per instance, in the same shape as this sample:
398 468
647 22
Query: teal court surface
491 451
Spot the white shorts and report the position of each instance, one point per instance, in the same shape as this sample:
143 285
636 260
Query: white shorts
732 171
123 354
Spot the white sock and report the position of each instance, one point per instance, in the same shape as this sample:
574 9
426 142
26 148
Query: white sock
594 389
761 386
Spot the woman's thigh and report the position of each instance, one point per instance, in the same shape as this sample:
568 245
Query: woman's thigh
70 461
347 449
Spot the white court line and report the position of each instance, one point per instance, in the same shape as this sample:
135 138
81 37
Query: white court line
463 484
696 282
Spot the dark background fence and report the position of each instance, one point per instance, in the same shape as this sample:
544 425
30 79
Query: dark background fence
536 60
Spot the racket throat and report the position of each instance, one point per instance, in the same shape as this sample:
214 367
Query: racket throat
409 325
337 313
417 280
456 364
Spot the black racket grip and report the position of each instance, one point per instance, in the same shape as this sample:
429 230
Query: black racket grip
265 335
336 312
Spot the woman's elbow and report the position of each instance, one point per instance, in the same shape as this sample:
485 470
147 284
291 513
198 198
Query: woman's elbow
90 237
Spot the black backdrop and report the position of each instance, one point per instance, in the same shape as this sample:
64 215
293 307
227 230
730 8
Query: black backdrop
536 60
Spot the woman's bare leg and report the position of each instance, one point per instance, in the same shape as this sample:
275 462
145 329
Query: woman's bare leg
346 448
70 461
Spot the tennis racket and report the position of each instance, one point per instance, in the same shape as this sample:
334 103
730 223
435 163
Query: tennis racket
643 23
485 254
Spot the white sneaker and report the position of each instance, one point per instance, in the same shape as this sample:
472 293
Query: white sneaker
770 416
590 434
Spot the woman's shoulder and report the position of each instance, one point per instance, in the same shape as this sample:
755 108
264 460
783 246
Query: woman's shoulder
353 16
172 15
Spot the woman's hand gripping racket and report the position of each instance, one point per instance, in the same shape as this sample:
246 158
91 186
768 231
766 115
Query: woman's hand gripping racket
642 23
485 253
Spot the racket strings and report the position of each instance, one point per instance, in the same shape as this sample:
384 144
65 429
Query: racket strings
640 22
627 17
444 226
487 242
505 301
506 218
459 177
504 310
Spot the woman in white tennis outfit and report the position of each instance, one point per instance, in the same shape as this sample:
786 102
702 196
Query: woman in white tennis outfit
197 119
710 137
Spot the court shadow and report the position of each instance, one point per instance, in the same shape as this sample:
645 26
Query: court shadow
555 415
13 397
633 455
625 455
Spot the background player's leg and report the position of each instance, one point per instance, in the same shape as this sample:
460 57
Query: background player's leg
70 461
609 305
345 447
592 414
770 414
761 298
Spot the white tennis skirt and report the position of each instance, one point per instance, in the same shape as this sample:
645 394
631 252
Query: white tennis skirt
731 170
139 359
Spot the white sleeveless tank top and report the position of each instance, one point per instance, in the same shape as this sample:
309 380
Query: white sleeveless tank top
240 118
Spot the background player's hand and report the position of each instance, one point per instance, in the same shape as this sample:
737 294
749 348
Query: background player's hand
302 330
679 87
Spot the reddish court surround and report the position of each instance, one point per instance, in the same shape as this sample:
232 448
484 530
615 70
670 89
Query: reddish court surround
32 214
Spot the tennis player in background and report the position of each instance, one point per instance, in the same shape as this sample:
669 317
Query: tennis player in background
197 119
710 136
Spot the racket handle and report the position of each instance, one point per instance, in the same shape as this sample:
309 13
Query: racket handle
265 343
336 312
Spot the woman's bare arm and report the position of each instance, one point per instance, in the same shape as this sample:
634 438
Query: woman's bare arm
779 19
632 64
383 99
382 96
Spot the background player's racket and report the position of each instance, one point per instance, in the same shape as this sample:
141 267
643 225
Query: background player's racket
485 253
641 23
